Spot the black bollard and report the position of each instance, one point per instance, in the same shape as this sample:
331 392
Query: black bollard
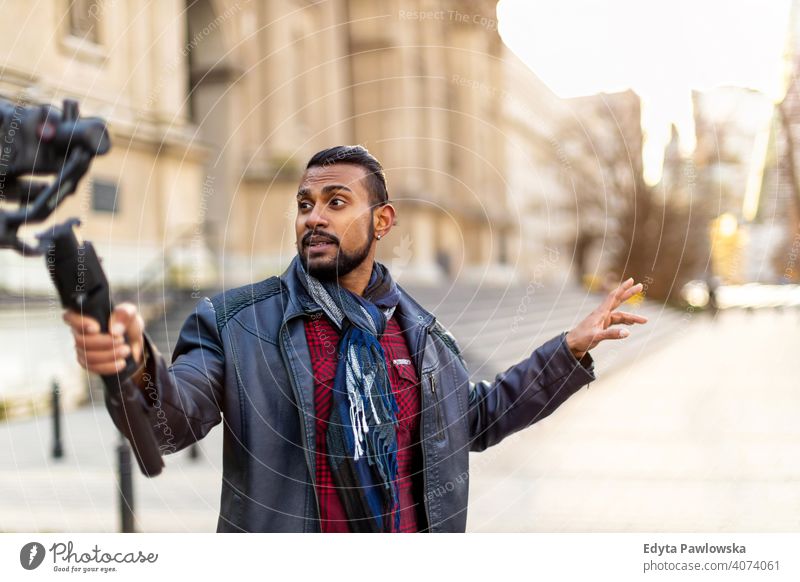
58 449
194 452
126 513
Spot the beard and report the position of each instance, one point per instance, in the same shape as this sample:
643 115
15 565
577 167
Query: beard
326 269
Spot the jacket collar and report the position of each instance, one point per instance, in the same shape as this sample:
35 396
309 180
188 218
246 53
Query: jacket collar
410 314
298 302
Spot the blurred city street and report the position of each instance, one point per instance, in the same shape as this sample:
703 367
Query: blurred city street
696 433
507 163
700 436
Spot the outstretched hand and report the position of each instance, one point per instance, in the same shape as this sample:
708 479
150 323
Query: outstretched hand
597 326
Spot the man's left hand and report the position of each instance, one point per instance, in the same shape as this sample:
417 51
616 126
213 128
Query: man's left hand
596 327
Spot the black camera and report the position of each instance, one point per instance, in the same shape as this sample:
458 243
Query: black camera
37 140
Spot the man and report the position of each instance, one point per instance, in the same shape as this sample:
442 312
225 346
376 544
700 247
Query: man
346 406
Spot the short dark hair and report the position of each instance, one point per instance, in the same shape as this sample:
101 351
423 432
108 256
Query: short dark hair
358 156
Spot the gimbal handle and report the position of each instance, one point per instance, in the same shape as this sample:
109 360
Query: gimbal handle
82 287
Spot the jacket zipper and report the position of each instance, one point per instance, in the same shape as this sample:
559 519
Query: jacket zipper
423 445
436 408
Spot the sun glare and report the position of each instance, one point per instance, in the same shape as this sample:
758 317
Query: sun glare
661 49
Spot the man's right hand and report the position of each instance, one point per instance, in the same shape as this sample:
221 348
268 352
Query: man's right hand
105 353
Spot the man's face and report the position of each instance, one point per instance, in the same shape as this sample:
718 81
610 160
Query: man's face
334 225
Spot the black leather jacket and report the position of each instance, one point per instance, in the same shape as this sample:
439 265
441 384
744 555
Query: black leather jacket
242 358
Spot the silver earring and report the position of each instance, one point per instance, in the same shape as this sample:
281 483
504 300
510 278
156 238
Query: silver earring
379 237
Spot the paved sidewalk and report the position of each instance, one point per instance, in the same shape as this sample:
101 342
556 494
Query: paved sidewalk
79 493
701 433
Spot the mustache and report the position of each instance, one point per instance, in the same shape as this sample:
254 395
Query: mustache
319 237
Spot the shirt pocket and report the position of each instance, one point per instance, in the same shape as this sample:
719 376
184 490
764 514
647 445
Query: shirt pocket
405 370
405 385
325 372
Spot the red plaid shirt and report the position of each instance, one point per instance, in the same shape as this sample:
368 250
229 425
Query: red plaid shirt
323 341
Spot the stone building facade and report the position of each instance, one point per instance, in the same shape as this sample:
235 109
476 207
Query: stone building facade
214 106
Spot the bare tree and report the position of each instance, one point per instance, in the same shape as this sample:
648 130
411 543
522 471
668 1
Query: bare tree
655 234
785 258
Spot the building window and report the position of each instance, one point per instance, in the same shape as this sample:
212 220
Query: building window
83 19
105 196
81 33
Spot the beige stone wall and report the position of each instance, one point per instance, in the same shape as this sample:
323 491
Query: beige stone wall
135 77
